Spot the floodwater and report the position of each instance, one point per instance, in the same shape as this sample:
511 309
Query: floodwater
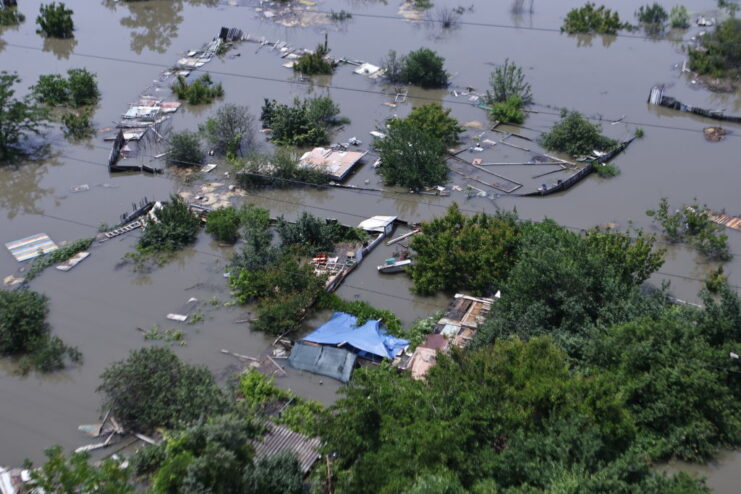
98 306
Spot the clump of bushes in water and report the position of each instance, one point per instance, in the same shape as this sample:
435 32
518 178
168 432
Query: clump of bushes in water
184 149
55 20
363 311
606 170
80 88
280 169
24 332
509 93
229 131
692 224
10 16
304 123
652 17
311 235
576 136
58 256
592 19
223 224
78 125
314 63
423 67
719 54
679 18
201 91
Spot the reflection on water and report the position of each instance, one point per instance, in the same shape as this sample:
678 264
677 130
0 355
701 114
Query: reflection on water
20 190
61 48
155 23
585 40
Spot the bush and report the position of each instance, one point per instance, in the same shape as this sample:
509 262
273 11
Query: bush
18 117
591 19
57 256
201 91
411 157
606 170
435 121
363 311
653 14
576 136
679 18
55 20
508 81
719 54
154 388
223 224
312 235
185 150
305 123
314 63
423 67
10 16
51 90
176 227
281 169
83 87
78 125
230 130
508 111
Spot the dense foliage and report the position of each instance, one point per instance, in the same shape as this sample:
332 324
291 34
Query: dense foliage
313 235
422 67
78 125
652 17
230 130
60 255
435 120
363 311
201 91
154 388
280 169
592 19
184 149
679 18
458 252
508 111
25 333
314 63
509 418
411 157
304 123
55 20
223 224
10 16
508 81
576 136
719 53
692 224
18 118
176 227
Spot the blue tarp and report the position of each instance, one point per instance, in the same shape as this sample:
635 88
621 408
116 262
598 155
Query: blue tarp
342 330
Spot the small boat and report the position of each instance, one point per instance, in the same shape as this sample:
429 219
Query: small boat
394 266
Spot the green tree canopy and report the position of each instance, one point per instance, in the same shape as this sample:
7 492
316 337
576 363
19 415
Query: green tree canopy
18 118
154 388
230 130
435 120
464 253
576 135
55 20
411 157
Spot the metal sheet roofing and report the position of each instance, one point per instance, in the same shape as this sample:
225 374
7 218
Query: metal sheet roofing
278 440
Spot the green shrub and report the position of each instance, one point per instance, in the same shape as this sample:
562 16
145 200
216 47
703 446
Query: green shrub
223 224
201 91
506 82
281 169
52 89
576 136
591 19
185 150
679 18
508 111
78 125
230 130
424 68
606 170
176 227
83 87
57 256
305 123
10 16
314 63
719 54
652 17
435 121
363 311
55 20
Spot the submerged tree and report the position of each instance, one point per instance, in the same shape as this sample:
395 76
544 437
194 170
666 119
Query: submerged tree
576 135
592 19
18 118
230 130
55 20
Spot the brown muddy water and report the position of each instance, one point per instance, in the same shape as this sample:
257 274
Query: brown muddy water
98 306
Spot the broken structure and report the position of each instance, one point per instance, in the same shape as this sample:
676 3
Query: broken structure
336 163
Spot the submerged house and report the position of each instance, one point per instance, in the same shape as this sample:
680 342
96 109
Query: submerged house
337 164
333 349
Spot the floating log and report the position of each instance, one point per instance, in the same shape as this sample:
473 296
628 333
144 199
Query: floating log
238 355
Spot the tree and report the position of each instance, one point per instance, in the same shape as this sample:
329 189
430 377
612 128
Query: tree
304 123
22 320
425 68
18 117
459 253
78 125
55 20
10 16
83 87
230 131
652 17
592 19
154 388
52 89
576 136
279 474
68 475
720 51
185 150
411 157
201 91
176 227
508 81
223 224
314 63
435 120
679 18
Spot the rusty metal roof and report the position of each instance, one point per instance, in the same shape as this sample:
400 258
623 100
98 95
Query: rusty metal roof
279 440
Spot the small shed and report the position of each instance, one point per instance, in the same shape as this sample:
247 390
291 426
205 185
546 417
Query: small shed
378 224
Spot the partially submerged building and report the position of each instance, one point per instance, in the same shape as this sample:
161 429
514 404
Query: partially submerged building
456 328
333 349
336 163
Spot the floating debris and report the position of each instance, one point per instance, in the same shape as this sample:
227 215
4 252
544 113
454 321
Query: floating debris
657 97
73 261
714 134
30 247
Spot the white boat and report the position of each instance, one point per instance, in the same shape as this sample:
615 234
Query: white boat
394 267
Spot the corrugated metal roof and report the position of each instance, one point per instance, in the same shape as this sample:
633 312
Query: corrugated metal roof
279 440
